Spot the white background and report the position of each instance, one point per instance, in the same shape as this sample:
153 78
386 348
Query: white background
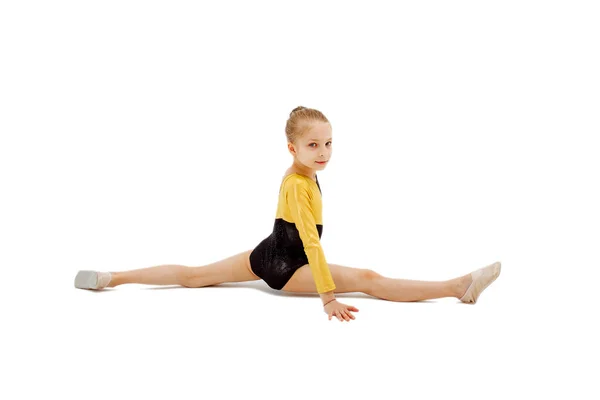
141 133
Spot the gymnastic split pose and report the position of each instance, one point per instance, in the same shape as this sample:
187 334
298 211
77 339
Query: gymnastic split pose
291 257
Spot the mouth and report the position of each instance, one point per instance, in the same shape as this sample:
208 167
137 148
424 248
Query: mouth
321 162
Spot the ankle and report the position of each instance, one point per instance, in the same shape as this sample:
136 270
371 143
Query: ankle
113 280
460 285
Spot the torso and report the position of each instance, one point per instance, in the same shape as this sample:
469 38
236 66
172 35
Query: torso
278 256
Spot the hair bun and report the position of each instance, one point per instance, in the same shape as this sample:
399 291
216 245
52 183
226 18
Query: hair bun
297 109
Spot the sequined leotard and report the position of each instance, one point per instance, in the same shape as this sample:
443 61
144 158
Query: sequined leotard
295 240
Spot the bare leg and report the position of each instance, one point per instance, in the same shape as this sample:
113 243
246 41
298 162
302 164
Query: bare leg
235 268
168 274
348 279
414 290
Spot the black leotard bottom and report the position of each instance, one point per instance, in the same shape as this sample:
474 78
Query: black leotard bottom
279 255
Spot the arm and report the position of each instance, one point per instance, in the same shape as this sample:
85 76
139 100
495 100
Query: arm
301 210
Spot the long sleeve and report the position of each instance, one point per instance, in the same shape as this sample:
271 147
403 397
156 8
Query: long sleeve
299 203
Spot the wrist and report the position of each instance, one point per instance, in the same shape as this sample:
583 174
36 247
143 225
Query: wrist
327 296
329 301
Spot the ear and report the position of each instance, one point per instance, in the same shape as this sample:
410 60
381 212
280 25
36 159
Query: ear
291 148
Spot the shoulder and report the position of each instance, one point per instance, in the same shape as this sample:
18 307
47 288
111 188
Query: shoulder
296 182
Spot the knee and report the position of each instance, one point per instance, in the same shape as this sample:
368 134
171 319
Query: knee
369 274
185 276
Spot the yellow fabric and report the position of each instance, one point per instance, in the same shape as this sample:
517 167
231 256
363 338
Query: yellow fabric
300 203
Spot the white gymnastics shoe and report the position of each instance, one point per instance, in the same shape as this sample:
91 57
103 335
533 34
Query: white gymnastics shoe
92 280
482 278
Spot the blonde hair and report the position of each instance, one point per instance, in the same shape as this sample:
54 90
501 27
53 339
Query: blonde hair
300 121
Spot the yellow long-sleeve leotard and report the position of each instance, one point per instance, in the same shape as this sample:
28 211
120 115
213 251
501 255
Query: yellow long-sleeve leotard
300 203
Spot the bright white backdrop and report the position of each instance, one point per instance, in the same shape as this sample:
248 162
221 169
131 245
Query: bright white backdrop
140 133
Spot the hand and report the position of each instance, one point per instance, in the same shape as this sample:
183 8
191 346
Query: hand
340 310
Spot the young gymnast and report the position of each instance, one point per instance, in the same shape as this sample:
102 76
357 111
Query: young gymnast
291 258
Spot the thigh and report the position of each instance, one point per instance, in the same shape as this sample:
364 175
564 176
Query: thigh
231 269
346 279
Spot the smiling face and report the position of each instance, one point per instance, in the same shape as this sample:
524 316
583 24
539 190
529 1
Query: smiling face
315 145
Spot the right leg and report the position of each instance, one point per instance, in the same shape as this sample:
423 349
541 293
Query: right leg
232 269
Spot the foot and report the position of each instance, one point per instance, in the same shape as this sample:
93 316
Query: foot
92 280
462 284
479 280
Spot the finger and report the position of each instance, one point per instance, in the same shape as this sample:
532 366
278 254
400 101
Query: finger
345 315
350 314
338 315
353 308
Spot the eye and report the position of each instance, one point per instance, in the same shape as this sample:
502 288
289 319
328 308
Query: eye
315 143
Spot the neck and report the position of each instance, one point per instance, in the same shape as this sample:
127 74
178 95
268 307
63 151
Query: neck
302 169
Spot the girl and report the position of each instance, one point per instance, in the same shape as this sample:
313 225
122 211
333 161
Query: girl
291 257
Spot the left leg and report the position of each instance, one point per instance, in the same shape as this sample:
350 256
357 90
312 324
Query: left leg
231 269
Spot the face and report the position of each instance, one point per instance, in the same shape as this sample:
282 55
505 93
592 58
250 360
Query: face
315 145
